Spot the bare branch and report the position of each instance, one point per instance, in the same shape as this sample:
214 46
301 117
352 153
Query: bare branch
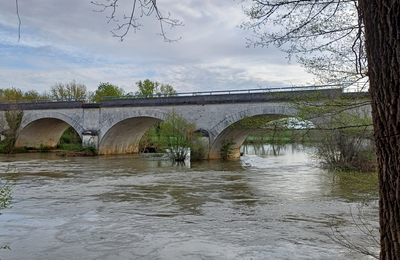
19 20
146 8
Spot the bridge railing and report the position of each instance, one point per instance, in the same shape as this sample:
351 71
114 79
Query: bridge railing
182 94
41 100
226 92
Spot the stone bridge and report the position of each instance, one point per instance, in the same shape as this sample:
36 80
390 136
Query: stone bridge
116 126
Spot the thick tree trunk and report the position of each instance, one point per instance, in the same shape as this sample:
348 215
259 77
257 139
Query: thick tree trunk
382 29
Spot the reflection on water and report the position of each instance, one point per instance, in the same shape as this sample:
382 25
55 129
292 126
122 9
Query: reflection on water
131 207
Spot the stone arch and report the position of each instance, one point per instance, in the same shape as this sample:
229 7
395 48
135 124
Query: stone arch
44 128
222 132
121 134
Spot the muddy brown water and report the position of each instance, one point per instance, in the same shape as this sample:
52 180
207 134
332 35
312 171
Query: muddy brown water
131 207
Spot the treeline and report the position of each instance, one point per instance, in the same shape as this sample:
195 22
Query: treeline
73 90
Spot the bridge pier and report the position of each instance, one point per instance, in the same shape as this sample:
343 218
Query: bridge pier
90 138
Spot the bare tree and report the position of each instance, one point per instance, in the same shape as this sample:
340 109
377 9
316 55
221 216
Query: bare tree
326 37
68 91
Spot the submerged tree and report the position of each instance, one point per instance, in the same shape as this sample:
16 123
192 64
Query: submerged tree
345 136
178 136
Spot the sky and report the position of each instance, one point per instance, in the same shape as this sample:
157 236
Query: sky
61 41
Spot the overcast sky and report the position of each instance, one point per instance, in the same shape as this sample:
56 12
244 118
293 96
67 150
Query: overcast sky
66 40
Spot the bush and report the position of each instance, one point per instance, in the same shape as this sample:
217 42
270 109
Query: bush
226 149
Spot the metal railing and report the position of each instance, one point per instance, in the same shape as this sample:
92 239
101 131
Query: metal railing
183 94
42 100
226 92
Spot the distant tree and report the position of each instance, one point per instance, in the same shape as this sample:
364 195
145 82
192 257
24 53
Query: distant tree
150 88
11 94
32 94
107 89
153 88
69 90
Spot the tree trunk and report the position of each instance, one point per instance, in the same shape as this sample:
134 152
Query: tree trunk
382 35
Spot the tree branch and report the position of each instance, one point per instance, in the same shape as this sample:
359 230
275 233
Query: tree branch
146 8
19 20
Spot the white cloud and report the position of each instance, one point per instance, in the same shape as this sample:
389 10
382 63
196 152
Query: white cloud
66 40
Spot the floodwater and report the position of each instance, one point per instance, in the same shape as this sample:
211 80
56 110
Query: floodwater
131 207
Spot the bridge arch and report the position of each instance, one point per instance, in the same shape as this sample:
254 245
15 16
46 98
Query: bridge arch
224 132
123 131
44 128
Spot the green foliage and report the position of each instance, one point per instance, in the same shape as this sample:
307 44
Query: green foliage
90 150
10 94
106 90
44 148
150 88
151 139
275 130
69 90
70 140
7 180
226 149
33 95
70 136
13 118
178 136
344 127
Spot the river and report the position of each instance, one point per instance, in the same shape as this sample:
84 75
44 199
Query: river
131 207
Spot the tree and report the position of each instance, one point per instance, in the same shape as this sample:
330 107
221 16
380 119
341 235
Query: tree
11 94
368 32
150 88
33 94
11 123
326 36
178 136
382 25
67 91
107 90
345 135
